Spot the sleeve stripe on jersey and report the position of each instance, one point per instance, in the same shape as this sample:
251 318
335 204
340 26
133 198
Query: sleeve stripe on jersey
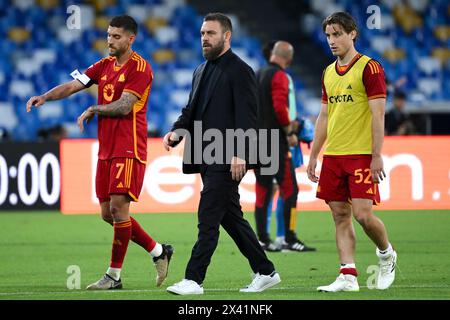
133 92
374 66
376 96
141 63
144 64
138 63
371 68
378 66
138 105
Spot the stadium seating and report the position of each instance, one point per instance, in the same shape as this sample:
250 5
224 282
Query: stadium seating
39 52
412 43
42 51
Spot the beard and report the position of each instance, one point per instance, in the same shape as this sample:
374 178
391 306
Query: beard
116 52
214 51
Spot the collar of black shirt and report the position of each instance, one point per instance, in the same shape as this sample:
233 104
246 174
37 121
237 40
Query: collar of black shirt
219 59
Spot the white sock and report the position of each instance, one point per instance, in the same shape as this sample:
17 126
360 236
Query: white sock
280 239
348 265
114 273
157 250
386 253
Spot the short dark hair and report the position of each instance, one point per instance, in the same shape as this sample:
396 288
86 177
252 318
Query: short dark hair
344 19
126 22
267 49
224 21
398 94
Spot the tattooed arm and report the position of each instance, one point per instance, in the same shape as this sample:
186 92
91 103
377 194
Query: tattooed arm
118 108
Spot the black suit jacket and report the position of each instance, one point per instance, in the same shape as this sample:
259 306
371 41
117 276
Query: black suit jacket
231 103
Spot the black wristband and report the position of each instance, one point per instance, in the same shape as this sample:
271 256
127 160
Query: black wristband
291 133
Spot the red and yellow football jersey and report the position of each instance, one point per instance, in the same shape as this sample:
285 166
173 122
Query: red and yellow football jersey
125 136
346 92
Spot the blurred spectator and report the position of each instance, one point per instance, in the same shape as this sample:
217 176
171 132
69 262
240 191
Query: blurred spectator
153 133
267 49
55 133
4 135
397 121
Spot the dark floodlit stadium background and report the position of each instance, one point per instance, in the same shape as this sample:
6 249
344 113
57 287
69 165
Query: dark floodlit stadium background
38 49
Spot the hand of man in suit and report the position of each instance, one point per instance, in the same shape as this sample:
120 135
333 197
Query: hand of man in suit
170 140
237 169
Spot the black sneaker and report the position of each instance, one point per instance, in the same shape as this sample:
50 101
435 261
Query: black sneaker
269 246
162 264
105 283
297 246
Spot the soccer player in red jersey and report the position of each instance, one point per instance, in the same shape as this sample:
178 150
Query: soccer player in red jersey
351 121
124 82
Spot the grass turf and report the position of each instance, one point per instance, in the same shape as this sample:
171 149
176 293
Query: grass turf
36 249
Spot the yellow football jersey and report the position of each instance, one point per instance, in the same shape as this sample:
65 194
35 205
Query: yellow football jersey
349 128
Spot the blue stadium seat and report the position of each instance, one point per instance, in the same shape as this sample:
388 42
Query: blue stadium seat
182 37
420 73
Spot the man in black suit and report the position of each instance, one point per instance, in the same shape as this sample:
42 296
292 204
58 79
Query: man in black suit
223 97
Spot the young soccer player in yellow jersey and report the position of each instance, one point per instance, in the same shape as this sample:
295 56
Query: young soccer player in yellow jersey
351 122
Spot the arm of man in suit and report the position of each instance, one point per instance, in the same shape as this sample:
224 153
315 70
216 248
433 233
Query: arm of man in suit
246 110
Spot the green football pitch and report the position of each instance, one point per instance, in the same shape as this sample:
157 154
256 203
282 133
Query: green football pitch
38 252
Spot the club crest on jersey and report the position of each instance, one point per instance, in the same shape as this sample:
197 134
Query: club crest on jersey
108 92
340 98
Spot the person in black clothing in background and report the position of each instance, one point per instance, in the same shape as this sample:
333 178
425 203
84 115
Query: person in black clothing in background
397 121
273 85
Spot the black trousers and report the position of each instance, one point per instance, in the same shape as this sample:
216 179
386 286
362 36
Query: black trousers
219 206
287 182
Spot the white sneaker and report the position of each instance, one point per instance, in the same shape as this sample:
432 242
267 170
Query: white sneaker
279 241
344 282
185 287
105 283
162 264
386 276
261 282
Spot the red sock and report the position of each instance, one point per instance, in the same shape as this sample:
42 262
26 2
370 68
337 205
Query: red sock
139 236
351 271
122 235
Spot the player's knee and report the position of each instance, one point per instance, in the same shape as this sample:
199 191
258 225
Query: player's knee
115 210
119 207
342 216
342 219
363 217
106 212
108 219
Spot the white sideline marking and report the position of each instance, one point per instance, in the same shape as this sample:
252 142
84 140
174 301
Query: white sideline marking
81 291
